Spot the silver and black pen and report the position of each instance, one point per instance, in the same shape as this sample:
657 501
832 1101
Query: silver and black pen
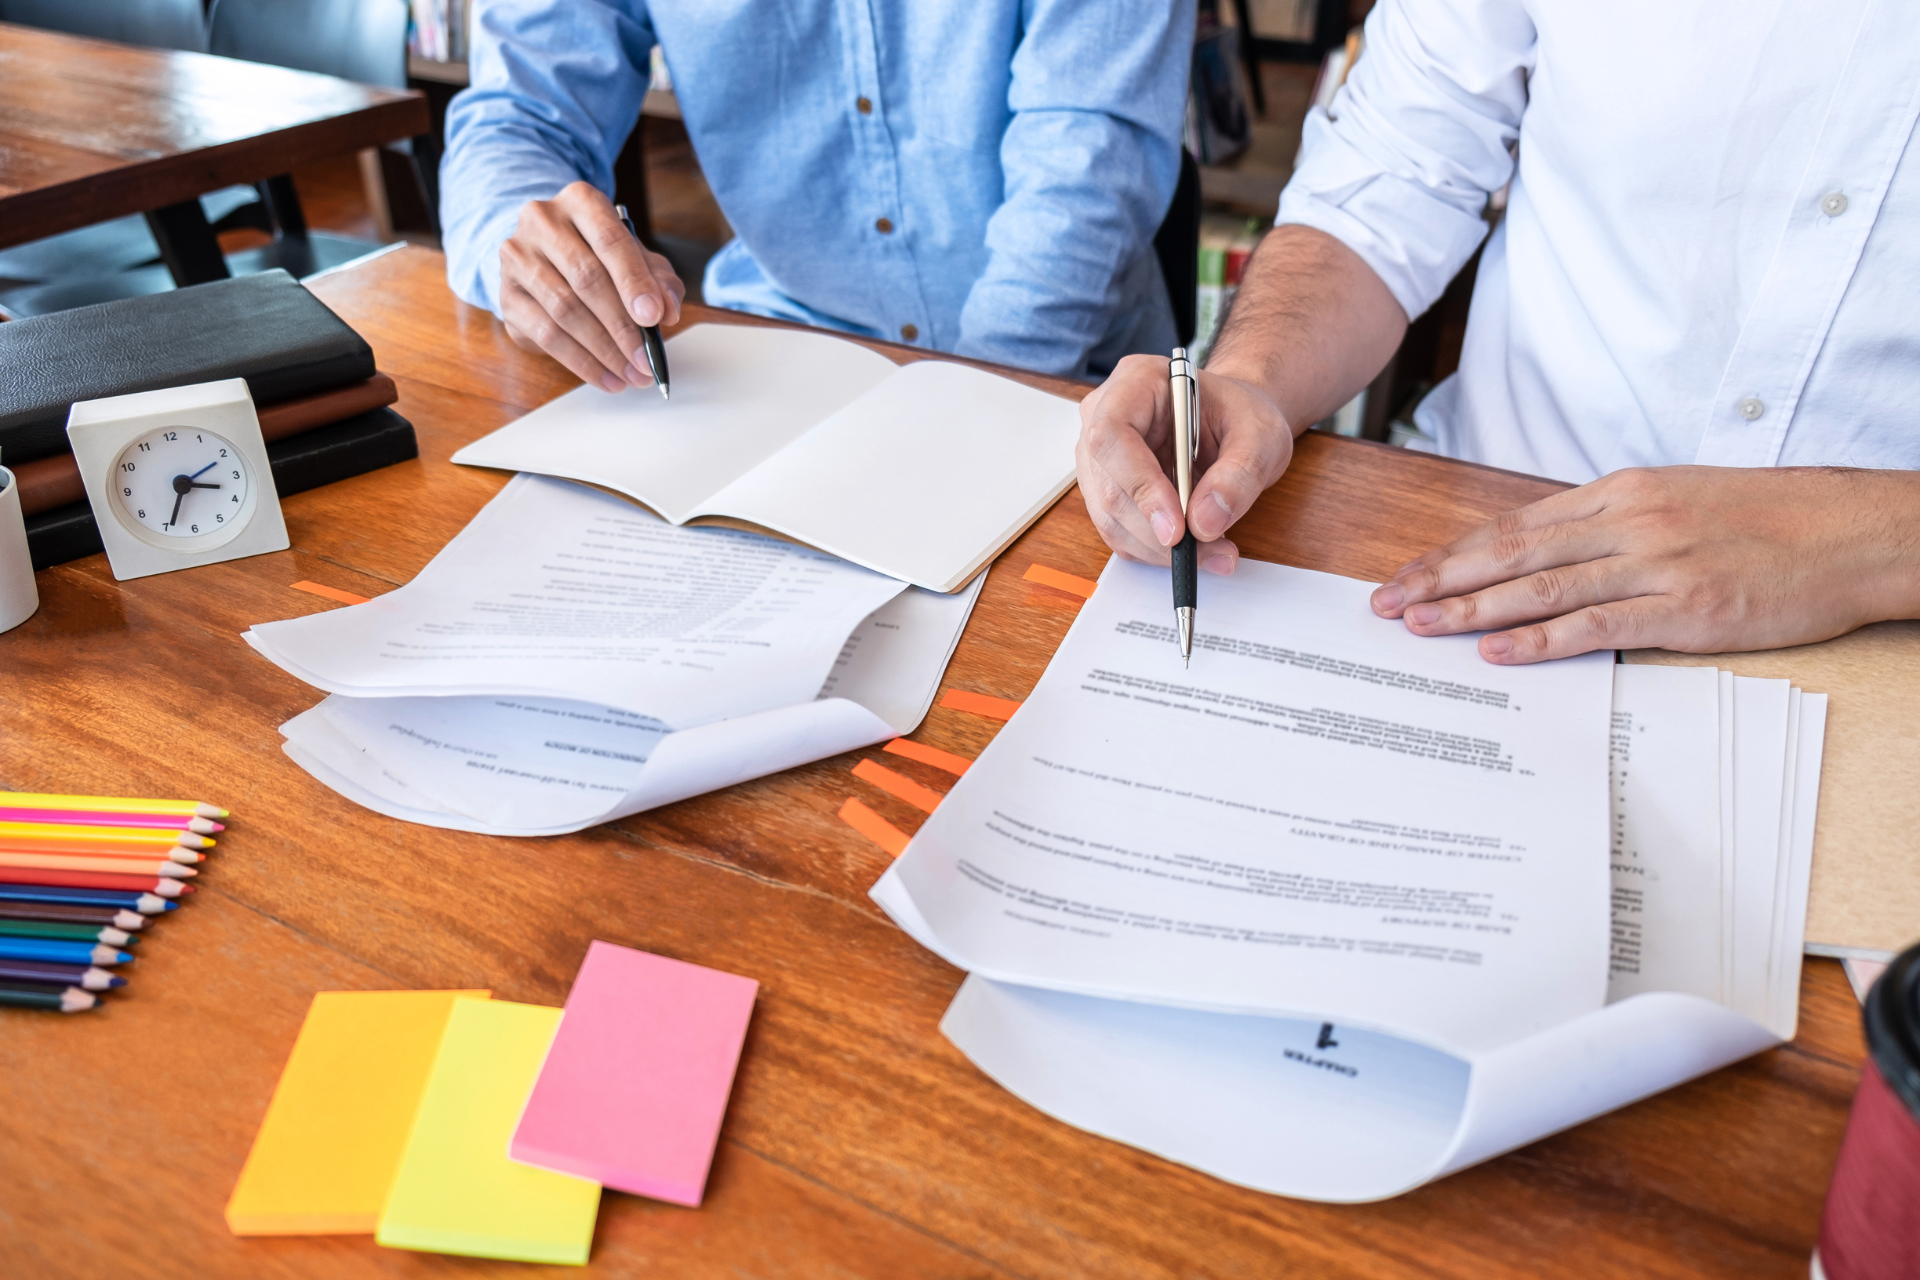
1186 451
649 334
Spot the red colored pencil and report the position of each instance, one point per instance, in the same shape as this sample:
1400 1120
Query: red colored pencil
166 888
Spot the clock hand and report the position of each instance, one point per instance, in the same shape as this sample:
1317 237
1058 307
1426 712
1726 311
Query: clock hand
193 484
180 496
202 471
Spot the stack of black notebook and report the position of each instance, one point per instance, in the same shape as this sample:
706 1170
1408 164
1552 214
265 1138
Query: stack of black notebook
298 358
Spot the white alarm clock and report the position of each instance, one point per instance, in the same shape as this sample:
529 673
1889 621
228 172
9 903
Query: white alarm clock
177 477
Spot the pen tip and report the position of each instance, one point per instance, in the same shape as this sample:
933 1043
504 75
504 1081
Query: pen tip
665 394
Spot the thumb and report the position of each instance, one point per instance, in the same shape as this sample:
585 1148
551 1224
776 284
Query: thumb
1247 463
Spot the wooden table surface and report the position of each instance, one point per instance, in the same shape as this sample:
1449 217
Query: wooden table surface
91 130
859 1143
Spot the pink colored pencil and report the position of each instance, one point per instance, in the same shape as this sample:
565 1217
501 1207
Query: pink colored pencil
92 818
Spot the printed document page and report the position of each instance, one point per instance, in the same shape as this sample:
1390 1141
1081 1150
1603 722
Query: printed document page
540 766
741 393
1327 816
560 591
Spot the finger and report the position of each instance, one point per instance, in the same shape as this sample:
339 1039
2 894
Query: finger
1221 557
1120 522
1512 554
526 318
1642 622
1117 438
1548 593
534 274
1581 503
1250 455
589 257
631 282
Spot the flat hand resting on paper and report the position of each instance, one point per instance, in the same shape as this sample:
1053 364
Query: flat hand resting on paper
576 285
1698 559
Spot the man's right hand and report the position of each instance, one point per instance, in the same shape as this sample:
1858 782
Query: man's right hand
1125 456
576 285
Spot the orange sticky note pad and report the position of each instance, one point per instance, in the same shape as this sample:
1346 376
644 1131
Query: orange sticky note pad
956 765
1082 587
980 704
330 593
874 827
895 784
331 1141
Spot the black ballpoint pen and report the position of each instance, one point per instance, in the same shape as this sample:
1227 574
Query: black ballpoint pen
1186 451
649 334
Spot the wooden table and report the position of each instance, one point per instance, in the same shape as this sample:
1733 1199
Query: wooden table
859 1143
91 130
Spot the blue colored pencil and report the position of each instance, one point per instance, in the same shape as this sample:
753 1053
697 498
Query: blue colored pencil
58 951
147 904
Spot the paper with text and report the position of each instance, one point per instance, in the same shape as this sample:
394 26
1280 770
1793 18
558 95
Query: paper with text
1326 815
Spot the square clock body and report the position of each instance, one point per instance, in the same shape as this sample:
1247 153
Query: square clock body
177 477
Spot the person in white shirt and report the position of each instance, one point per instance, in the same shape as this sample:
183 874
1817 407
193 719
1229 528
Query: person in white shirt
1702 306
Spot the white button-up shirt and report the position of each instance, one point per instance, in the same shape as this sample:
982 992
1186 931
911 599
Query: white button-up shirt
1711 249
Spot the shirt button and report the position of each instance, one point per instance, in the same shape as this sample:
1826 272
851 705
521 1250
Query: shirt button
1834 203
863 106
884 227
909 332
1751 408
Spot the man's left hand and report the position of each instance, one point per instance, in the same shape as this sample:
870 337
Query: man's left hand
1697 559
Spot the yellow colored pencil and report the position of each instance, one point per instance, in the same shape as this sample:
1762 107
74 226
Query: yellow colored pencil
54 837
107 804
113 866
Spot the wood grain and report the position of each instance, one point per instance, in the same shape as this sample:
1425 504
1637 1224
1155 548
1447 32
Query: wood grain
859 1142
91 130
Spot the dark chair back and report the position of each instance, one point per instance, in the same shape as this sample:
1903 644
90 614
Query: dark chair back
363 40
1177 244
161 24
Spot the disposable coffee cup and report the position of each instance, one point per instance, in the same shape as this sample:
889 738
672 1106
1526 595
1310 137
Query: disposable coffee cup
1870 1228
18 596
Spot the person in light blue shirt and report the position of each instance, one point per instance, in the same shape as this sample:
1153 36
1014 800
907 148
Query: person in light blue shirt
983 177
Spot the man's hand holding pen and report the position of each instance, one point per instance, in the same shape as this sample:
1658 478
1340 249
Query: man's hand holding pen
1126 462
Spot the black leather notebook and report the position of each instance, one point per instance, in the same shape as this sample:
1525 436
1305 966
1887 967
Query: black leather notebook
265 328
367 442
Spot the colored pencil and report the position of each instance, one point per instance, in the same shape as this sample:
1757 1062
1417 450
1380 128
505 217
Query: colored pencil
147 904
83 818
108 804
73 975
81 917
66 932
95 880
54 951
54 837
117 866
67 1000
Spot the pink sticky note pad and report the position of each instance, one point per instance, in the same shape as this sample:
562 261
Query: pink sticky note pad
635 1087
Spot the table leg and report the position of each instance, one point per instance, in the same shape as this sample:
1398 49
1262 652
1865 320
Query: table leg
187 244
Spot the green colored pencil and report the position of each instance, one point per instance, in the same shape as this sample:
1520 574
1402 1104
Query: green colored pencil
71 1000
67 932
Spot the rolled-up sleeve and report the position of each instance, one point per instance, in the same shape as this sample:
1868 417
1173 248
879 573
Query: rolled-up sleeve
556 88
1400 168
1090 158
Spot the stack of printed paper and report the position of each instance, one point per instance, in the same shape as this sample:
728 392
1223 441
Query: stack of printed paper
1341 909
569 659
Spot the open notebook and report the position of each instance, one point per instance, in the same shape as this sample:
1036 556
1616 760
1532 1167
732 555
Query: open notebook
923 472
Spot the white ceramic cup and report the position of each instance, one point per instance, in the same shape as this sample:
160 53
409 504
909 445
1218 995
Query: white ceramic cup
18 596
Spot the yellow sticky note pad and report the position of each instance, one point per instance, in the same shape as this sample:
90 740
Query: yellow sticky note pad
327 1151
456 1191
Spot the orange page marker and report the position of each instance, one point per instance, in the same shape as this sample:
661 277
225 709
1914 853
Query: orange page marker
331 593
906 788
953 764
980 704
1082 587
873 827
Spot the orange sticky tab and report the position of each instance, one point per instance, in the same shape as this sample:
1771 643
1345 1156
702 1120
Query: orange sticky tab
331 593
1082 587
906 788
953 764
980 704
873 827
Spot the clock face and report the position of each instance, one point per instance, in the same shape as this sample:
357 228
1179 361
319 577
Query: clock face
182 482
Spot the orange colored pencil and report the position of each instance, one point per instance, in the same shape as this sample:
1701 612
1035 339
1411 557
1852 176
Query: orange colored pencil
47 837
116 866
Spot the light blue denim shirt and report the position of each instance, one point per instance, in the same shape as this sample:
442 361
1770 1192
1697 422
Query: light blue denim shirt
1023 153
